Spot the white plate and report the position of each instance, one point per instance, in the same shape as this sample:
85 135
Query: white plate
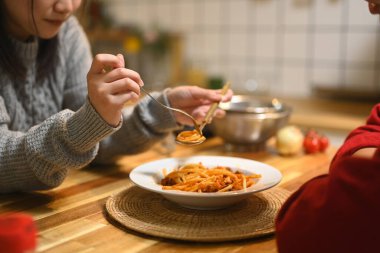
148 176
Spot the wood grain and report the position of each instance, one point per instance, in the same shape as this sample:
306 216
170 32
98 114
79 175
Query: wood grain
71 218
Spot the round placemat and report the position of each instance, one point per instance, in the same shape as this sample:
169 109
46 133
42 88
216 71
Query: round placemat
152 214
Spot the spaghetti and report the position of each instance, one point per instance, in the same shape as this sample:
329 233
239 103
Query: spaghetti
197 178
190 137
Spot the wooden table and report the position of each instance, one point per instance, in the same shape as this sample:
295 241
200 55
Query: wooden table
71 217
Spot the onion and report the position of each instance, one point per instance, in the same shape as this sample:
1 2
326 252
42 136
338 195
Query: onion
289 140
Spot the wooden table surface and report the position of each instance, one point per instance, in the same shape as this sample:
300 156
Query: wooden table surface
71 217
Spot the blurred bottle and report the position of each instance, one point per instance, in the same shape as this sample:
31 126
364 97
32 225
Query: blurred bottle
215 82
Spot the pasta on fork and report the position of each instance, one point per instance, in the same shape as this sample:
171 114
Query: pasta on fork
196 177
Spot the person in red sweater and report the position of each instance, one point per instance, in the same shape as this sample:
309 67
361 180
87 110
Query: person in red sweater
340 211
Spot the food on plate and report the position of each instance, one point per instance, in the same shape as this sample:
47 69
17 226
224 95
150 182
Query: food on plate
196 177
189 137
315 142
289 140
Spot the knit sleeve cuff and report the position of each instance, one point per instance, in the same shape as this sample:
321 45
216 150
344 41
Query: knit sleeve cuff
86 128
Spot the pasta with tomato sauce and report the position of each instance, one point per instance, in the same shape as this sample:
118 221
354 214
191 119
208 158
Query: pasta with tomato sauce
197 178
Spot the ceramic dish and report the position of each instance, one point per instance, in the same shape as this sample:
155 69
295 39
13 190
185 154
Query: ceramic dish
148 176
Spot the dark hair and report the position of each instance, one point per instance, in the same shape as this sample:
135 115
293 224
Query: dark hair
11 62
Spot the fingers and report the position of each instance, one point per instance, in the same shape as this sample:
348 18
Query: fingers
121 58
102 62
109 75
124 85
227 97
197 101
110 85
200 112
110 68
120 73
129 96
219 113
208 95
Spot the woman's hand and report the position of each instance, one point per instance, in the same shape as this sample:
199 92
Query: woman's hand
374 6
110 86
196 101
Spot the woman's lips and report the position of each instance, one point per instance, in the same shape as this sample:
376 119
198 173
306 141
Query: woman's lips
55 22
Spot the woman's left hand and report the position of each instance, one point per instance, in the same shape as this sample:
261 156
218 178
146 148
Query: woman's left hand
196 101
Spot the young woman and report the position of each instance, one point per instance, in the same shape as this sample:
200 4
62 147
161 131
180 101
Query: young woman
339 212
60 109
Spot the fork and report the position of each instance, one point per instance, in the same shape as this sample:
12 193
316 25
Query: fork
196 125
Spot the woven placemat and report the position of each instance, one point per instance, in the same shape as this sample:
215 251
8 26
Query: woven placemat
150 213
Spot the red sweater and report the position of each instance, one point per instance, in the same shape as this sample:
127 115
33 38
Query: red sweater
338 212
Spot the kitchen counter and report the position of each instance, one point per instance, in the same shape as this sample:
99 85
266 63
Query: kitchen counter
333 118
71 218
328 114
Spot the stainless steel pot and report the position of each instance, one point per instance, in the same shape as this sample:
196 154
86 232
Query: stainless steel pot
250 121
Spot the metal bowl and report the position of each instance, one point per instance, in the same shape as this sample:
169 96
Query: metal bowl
250 121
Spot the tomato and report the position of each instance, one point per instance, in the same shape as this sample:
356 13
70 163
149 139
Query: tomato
315 142
311 133
311 144
323 143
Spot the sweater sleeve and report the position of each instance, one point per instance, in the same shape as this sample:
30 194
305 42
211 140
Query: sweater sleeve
337 212
39 158
143 125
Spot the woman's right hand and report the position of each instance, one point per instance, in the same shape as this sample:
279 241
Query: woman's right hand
110 86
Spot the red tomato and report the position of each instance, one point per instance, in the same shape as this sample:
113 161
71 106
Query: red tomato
311 144
314 142
323 143
311 133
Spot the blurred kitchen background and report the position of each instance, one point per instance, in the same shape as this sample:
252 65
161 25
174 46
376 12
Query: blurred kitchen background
286 48
295 49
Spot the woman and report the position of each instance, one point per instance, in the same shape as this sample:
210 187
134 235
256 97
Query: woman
52 118
339 212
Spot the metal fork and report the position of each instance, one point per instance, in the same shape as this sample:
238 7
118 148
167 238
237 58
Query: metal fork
196 125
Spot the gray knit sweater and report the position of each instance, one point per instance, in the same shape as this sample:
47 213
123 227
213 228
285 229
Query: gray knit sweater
49 127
